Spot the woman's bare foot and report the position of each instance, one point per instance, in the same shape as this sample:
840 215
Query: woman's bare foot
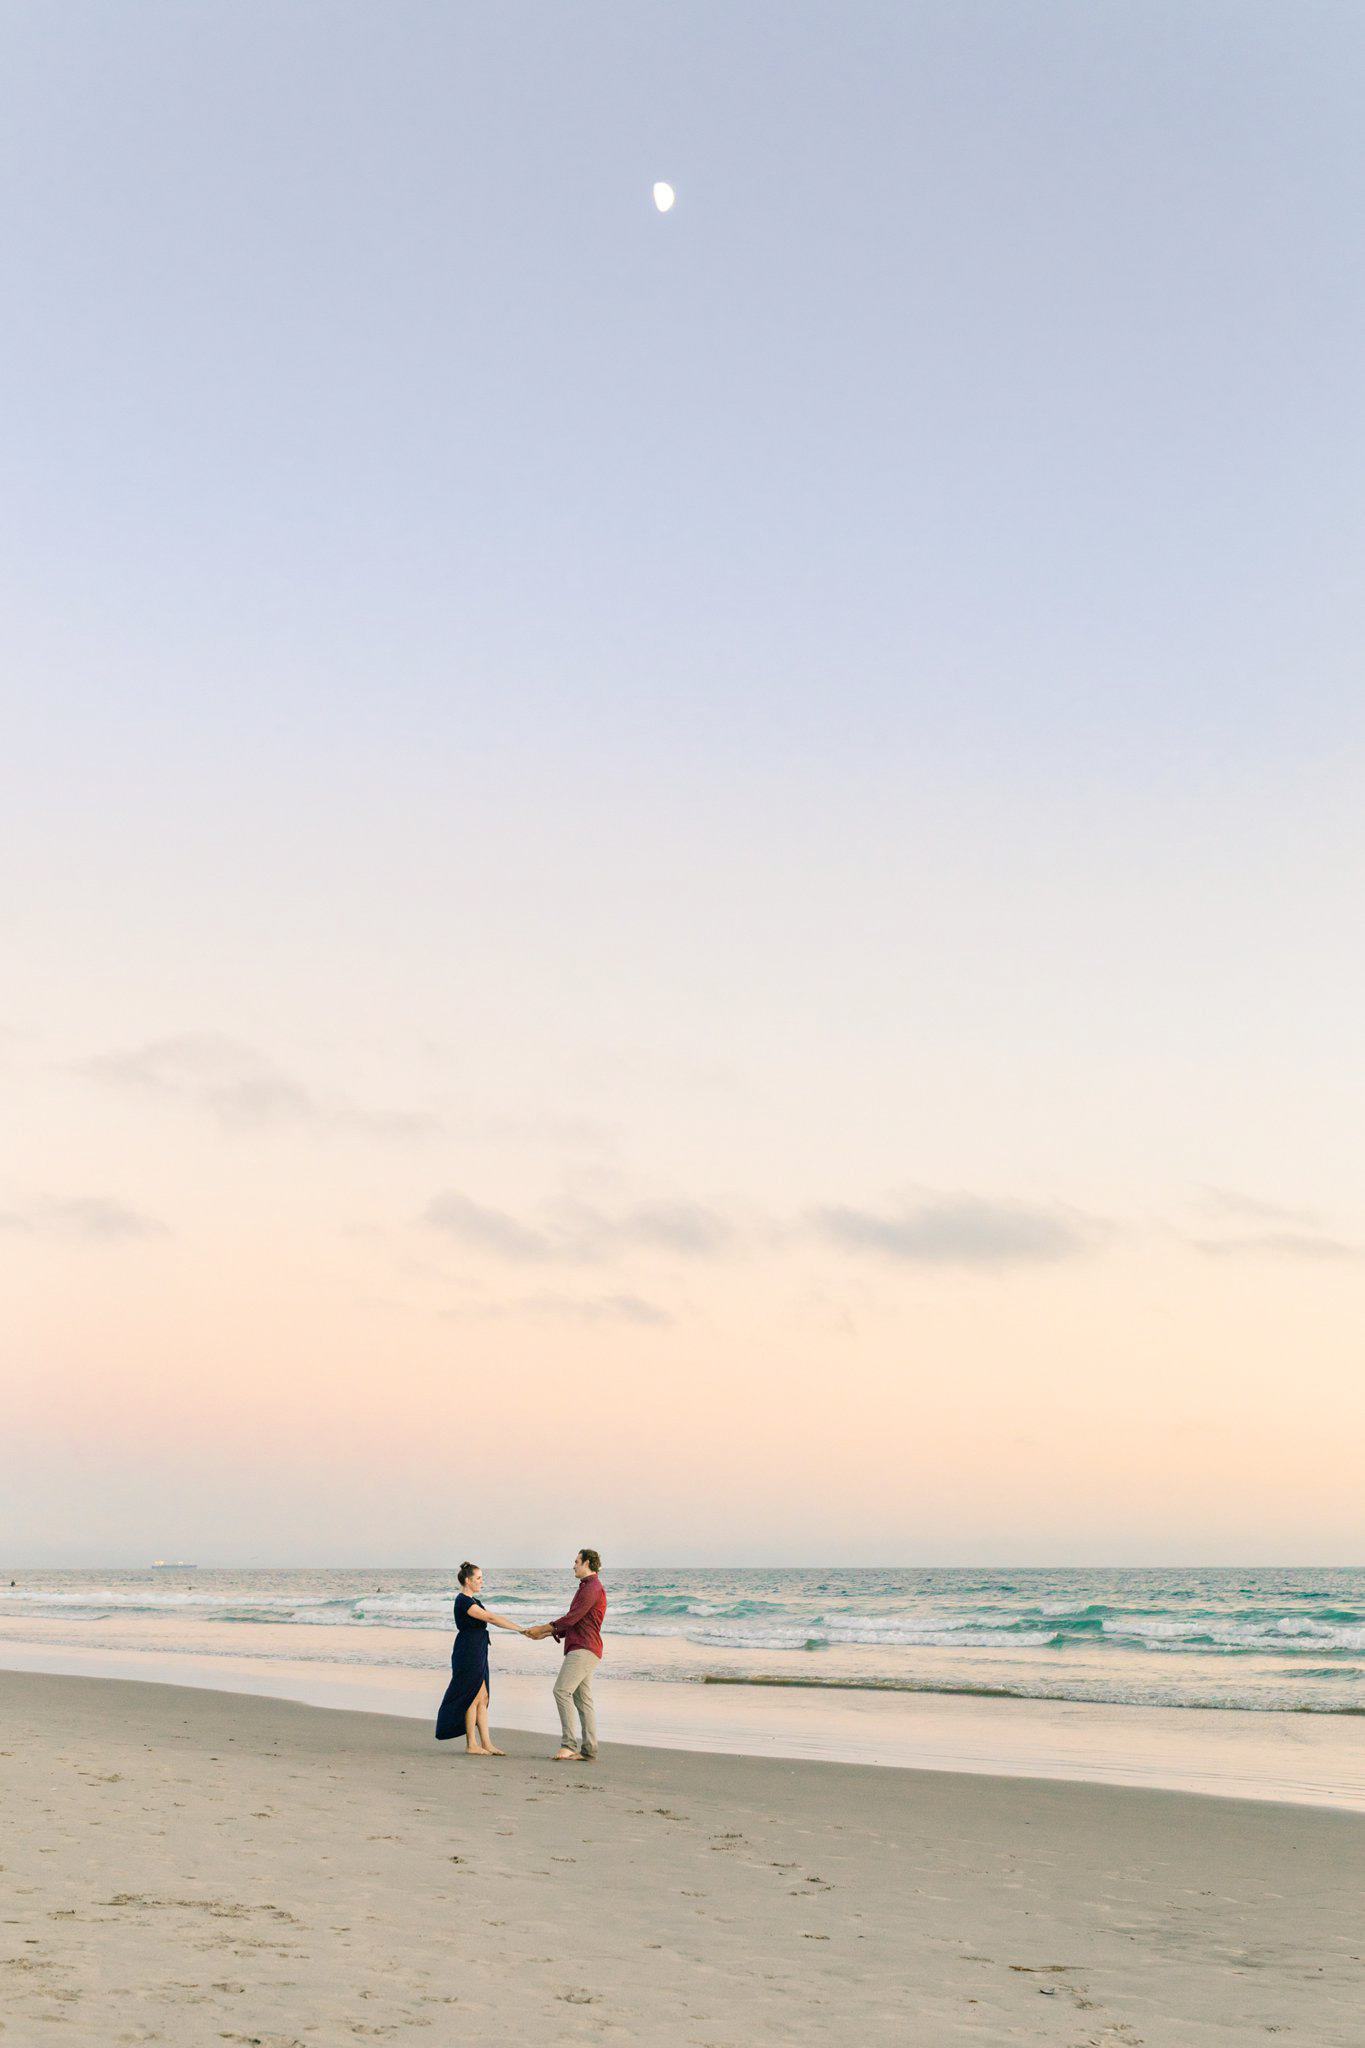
495 1752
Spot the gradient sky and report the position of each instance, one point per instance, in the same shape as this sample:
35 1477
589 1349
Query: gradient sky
695 882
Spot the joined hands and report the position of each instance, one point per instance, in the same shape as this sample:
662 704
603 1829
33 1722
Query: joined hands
541 1629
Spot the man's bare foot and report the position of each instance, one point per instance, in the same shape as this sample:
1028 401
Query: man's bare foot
566 1756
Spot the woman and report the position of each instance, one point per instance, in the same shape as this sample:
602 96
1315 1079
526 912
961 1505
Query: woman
465 1705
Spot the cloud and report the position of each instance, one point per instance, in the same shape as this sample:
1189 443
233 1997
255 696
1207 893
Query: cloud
676 1226
960 1230
576 1234
1268 1230
613 1308
242 1089
487 1230
94 1218
671 1226
1224 1202
1279 1244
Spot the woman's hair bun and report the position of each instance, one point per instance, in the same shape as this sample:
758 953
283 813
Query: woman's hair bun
465 1569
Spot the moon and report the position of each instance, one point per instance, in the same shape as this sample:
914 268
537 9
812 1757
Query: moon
664 196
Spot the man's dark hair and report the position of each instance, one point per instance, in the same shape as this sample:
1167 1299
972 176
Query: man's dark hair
591 1560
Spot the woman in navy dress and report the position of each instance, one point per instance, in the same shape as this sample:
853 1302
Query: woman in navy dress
465 1706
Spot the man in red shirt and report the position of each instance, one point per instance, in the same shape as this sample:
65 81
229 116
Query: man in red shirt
580 1631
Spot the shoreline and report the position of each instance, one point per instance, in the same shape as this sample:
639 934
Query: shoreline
967 1691
1256 1640
197 1866
1229 1753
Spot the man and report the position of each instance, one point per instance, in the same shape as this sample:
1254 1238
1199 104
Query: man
580 1631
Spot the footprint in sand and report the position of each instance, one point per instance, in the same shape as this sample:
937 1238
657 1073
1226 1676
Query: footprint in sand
264 2040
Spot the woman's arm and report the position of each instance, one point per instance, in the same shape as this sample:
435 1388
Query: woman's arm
478 1613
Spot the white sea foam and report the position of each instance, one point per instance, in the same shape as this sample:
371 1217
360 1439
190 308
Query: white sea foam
1274 1638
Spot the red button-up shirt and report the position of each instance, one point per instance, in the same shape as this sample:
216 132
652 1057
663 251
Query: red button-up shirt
581 1627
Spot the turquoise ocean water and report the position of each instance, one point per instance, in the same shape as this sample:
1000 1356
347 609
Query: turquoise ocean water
1268 1639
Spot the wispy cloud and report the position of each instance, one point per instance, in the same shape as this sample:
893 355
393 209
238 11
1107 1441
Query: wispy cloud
576 1233
959 1230
488 1230
243 1089
602 1308
1279 1244
1227 1204
1249 1227
688 1228
94 1218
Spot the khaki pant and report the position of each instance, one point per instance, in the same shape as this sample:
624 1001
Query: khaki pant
574 1687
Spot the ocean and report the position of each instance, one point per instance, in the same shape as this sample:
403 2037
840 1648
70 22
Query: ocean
1264 1639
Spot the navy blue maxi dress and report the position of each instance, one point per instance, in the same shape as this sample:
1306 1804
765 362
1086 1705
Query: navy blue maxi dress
468 1670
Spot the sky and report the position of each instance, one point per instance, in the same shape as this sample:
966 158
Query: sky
691 881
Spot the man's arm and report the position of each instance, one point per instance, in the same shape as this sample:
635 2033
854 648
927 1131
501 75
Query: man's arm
583 1601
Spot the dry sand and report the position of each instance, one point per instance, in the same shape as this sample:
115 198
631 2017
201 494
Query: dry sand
197 1867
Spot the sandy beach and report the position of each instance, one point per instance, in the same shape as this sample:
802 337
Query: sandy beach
198 1867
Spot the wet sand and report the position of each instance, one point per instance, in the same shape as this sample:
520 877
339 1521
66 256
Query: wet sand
198 1867
1311 1759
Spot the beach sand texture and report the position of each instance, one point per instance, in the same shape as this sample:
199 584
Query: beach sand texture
196 1867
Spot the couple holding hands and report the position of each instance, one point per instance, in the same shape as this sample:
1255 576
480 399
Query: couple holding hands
465 1706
